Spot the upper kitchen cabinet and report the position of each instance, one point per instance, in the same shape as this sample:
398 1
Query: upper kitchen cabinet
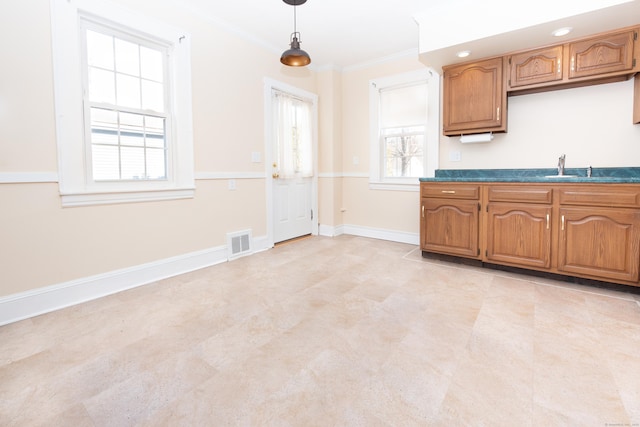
474 97
605 54
602 58
475 93
535 66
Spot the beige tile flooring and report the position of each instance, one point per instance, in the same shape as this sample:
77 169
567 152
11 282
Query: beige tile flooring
344 331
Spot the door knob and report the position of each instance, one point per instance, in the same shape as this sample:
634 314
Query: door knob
275 173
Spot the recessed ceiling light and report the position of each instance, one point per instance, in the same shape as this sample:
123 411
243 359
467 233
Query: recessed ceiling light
463 54
561 31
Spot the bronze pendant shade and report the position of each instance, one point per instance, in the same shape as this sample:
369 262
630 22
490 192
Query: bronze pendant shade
295 57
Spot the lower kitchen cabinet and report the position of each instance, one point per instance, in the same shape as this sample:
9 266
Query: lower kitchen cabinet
449 218
519 234
600 242
581 230
450 226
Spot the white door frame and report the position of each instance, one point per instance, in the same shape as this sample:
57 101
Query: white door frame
269 85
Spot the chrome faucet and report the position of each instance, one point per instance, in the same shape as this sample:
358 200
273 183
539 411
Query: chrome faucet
561 165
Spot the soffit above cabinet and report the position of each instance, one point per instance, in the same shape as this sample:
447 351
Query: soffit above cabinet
495 31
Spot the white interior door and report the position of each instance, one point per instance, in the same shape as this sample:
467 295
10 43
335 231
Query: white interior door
293 215
293 165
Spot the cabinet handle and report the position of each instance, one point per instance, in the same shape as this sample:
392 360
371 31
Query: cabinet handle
573 63
559 68
498 113
547 221
449 191
562 222
422 211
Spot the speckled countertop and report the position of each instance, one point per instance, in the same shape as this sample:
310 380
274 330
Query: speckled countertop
574 175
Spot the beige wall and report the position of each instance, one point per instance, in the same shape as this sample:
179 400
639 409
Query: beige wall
591 125
43 244
330 147
374 209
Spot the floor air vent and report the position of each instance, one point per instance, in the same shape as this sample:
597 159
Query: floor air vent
238 244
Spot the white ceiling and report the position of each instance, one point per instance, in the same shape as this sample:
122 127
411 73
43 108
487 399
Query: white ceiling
347 33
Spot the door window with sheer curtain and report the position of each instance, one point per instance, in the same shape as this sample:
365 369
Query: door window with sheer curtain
293 135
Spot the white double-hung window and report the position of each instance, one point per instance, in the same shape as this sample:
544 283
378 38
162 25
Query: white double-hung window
125 115
404 129
123 105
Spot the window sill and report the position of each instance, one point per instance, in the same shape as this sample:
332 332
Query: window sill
108 198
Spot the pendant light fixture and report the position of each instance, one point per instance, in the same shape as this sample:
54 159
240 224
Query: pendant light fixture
295 57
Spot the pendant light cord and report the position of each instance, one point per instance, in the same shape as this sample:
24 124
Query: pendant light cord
294 19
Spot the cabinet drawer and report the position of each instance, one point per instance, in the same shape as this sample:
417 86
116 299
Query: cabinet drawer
450 191
520 194
604 195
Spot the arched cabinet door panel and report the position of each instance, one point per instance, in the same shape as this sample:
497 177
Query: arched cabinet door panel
474 98
600 242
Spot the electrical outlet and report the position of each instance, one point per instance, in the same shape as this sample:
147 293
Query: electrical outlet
232 184
454 156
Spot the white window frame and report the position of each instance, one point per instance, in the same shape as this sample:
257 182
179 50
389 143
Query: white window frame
76 186
377 180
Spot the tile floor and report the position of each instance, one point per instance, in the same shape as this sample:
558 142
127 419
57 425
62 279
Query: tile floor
343 331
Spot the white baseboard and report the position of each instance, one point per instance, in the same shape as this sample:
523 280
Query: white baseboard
375 233
44 300
329 230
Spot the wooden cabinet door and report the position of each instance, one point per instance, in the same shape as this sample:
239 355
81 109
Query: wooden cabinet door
519 234
474 98
450 226
535 66
600 242
605 54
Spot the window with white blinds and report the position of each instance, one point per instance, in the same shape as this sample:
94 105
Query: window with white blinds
402 131
404 117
